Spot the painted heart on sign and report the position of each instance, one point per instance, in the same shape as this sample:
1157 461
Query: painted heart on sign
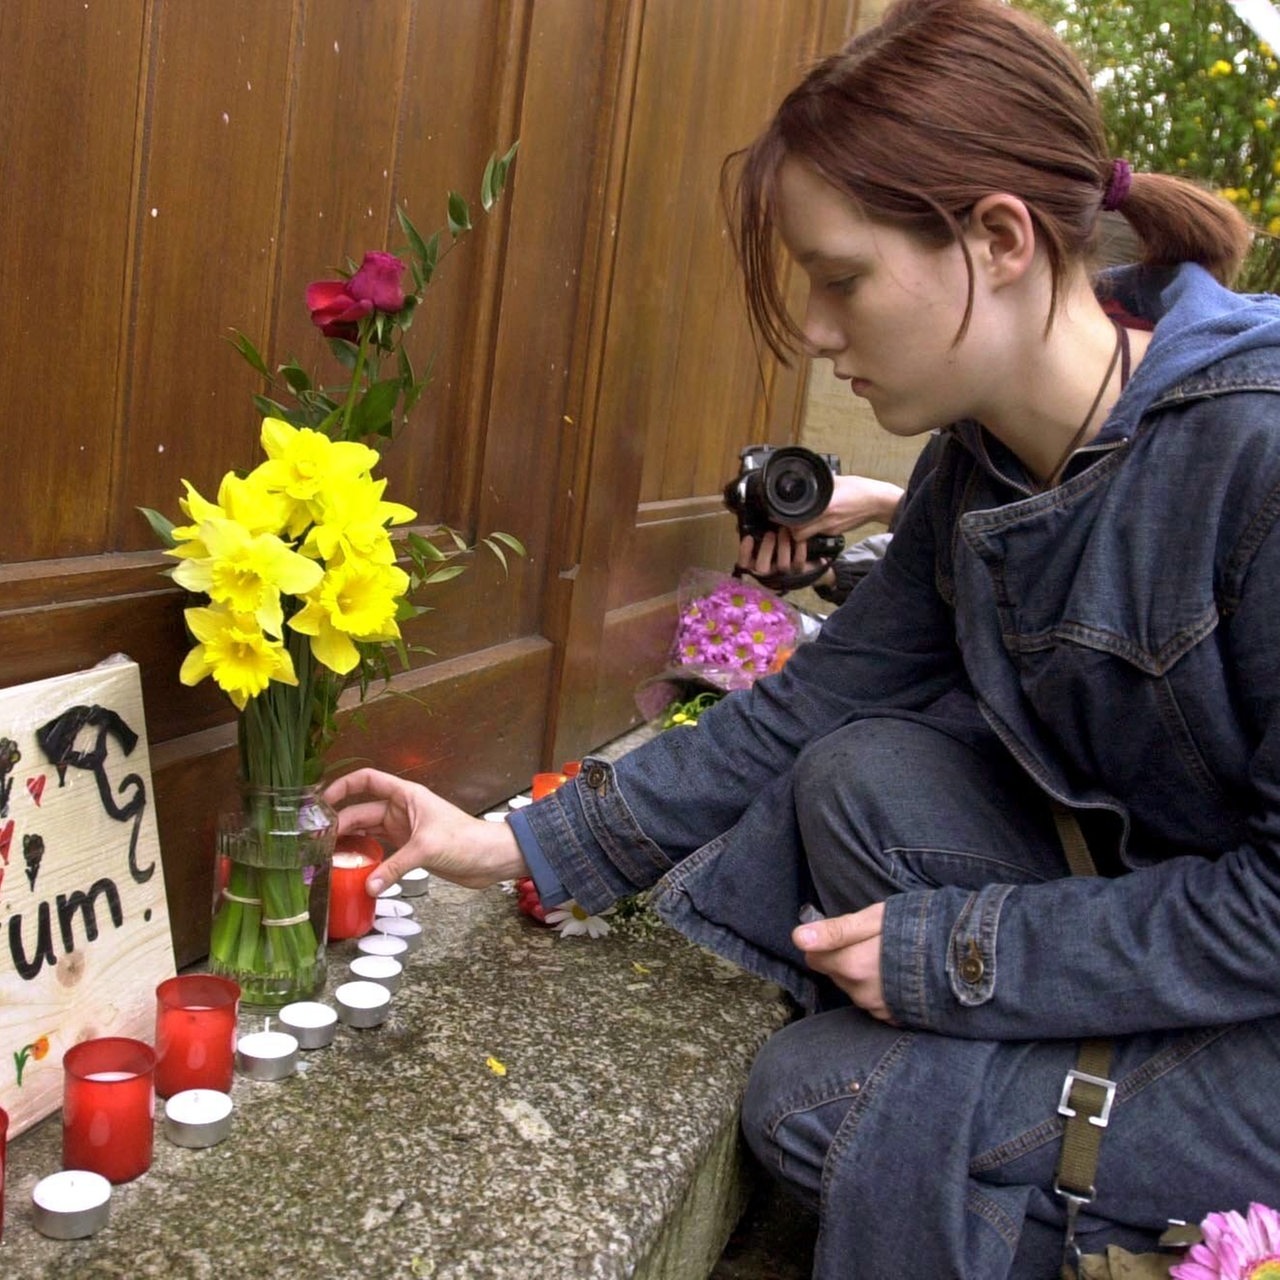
6 838
35 787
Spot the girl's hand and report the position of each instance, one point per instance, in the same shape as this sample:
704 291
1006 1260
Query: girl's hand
425 830
847 950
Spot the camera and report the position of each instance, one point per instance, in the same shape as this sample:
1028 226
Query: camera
788 486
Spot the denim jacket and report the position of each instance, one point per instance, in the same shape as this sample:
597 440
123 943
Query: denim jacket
1119 634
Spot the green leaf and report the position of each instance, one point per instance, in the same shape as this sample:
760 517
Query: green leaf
443 575
296 376
373 411
498 553
510 540
161 526
432 256
459 215
422 549
416 243
344 352
249 352
274 409
500 169
486 184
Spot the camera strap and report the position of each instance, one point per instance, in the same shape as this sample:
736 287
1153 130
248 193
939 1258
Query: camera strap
784 582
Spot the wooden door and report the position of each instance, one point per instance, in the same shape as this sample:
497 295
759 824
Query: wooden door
174 170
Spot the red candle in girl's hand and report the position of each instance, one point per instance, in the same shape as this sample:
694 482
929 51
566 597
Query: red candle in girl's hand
196 1033
351 907
108 1107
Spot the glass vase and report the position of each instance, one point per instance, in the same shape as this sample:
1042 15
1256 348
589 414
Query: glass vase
271 895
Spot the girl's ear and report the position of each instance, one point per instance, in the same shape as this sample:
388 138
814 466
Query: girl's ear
1002 238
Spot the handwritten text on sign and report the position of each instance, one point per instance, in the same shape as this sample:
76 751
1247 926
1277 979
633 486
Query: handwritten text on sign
84 926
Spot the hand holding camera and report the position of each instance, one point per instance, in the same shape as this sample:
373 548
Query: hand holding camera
789 503
784 488
777 490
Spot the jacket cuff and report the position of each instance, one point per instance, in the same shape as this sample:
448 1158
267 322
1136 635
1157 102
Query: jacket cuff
592 841
938 954
551 893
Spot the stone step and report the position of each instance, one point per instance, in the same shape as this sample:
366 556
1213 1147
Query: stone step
535 1105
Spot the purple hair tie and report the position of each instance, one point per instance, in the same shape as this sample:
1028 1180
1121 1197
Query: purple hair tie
1118 184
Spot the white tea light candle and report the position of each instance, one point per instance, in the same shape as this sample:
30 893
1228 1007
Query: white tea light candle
362 1004
391 891
380 969
311 1023
391 908
401 927
378 944
70 1205
415 882
267 1055
197 1118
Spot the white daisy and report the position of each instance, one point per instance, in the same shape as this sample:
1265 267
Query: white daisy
570 920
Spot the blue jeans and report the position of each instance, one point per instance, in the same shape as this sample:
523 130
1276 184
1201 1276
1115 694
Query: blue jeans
934 1155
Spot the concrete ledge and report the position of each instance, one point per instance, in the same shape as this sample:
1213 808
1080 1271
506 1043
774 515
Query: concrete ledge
608 1148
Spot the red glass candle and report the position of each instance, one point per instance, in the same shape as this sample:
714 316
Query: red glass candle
108 1107
196 1033
351 908
545 783
4 1138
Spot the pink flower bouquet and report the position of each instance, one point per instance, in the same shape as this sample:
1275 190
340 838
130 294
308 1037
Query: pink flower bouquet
729 632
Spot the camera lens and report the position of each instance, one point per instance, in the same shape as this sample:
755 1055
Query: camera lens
797 486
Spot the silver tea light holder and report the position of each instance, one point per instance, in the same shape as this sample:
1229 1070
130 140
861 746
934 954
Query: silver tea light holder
71 1205
267 1055
197 1118
311 1023
362 1004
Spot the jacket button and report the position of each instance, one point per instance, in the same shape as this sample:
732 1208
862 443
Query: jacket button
971 967
595 776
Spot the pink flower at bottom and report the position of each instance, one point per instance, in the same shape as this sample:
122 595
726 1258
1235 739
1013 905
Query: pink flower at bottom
1235 1248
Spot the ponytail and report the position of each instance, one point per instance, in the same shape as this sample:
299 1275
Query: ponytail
1177 221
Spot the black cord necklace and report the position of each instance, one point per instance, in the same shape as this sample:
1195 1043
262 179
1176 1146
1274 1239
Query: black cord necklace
1121 349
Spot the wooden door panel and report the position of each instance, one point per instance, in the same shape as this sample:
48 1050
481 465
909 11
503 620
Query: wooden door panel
205 222
66 157
680 386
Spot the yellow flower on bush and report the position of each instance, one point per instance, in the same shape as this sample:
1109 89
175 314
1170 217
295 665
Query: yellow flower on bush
233 650
306 466
1221 68
358 600
247 572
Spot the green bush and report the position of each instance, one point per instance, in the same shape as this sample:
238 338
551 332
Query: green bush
1187 87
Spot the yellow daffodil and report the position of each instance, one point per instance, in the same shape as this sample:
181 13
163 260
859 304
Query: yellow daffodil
240 499
305 466
236 653
355 523
247 572
358 600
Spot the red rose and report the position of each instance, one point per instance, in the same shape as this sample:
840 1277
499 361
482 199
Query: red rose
378 282
333 310
337 306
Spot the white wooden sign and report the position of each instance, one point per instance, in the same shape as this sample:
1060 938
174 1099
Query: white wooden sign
84 924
